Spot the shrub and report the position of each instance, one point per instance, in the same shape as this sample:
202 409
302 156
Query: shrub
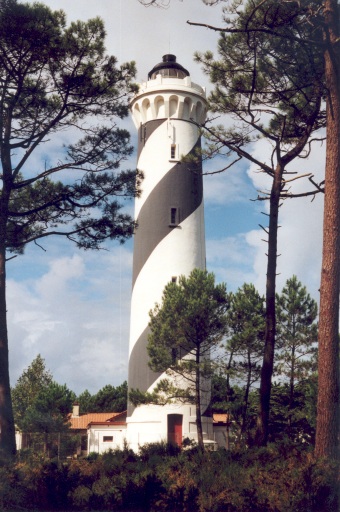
279 478
158 450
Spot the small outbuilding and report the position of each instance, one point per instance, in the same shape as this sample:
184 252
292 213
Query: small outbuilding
91 428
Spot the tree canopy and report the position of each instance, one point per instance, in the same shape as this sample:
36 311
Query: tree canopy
236 375
41 406
57 79
241 361
30 383
50 410
297 333
108 399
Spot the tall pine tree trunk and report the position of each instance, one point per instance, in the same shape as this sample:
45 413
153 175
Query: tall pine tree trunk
327 429
270 331
198 403
7 430
246 397
292 380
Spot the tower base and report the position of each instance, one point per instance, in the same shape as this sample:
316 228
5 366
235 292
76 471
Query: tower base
171 424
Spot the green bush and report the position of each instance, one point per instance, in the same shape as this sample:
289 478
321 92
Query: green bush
279 478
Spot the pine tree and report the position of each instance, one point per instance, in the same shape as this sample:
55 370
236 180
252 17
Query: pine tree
244 347
328 416
30 383
297 334
56 79
49 412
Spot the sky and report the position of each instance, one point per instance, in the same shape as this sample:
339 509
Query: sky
73 307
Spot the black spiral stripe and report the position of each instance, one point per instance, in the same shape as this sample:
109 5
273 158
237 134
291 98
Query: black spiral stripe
182 186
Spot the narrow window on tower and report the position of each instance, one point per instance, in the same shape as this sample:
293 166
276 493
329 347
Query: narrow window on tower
174 279
173 151
174 220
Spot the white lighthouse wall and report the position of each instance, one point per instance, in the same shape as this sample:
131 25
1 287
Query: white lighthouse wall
177 254
155 161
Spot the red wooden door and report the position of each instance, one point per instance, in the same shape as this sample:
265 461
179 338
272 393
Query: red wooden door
175 434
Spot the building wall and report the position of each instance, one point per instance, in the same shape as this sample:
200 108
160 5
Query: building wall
151 430
104 438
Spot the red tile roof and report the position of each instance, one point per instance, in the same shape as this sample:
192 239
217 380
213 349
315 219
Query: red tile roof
81 421
220 418
118 419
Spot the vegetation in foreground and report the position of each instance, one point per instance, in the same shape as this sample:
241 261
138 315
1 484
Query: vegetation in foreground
278 478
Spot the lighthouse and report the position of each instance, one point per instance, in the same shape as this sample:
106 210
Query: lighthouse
169 240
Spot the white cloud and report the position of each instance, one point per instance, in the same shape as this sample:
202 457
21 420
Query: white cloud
228 187
230 259
300 220
76 315
144 35
60 272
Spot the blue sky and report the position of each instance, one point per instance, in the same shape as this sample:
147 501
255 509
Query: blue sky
72 306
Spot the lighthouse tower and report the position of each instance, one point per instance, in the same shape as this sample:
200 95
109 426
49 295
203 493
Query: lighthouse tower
169 240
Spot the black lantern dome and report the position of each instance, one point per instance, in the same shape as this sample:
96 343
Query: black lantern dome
168 68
